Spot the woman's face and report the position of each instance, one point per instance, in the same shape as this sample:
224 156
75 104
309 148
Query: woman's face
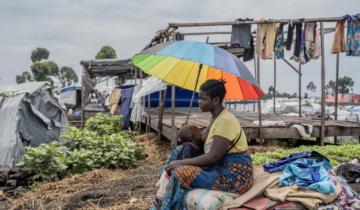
206 104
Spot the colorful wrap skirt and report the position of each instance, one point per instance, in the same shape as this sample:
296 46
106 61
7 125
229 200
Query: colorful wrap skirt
234 173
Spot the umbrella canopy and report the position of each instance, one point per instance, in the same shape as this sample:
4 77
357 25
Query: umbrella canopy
178 63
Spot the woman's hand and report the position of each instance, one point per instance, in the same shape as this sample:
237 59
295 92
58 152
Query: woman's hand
172 165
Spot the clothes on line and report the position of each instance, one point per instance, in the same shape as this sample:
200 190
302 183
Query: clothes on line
124 103
137 105
279 44
270 30
241 35
249 53
352 47
338 45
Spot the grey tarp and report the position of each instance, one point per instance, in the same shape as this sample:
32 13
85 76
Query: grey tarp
11 149
29 120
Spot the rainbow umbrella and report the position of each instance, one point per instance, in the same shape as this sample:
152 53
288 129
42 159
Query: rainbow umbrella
189 64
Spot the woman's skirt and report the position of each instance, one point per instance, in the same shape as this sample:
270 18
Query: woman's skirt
234 173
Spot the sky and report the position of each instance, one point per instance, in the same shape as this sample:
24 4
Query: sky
76 30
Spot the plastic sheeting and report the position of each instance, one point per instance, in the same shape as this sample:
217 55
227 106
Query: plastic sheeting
69 96
151 85
29 120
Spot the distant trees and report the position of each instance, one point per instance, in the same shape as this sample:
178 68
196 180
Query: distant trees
306 96
39 54
346 85
106 52
44 70
311 87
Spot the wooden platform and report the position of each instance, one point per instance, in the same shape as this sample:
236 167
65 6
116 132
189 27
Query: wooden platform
332 127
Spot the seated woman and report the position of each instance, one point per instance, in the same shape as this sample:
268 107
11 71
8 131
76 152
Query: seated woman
225 152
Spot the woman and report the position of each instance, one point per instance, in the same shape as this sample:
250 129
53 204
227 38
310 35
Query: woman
225 152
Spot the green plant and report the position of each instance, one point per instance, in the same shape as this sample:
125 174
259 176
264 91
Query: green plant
80 160
47 161
336 154
104 124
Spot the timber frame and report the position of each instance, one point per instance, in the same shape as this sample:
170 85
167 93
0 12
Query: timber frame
169 33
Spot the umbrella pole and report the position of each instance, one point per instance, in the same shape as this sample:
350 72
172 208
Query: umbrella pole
192 98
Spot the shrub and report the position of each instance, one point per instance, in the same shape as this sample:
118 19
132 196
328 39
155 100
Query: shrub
104 124
46 161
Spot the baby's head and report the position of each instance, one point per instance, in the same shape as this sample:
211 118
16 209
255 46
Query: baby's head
189 133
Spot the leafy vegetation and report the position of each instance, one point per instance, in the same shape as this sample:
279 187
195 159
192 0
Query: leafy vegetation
336 154
46 162
102 144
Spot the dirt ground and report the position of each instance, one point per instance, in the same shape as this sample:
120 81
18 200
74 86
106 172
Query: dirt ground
110 189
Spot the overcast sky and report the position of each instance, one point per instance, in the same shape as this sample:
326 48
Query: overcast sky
76 30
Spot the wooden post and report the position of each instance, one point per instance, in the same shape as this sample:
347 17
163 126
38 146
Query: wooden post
148 118
159 116
141 76
161 113
336 90
255 74
258 45
299 89
274 91
173 127
135 75
322 134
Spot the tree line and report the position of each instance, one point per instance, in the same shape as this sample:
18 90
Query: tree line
44 70
346 85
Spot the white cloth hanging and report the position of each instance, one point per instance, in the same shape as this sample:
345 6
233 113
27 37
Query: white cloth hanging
151 85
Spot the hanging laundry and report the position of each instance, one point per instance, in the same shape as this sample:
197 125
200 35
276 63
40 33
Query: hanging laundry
339 39
352 47
249 53
270 30
274 167
310 32
307 174
314 49
138 112
263 48
297 39
241 34
279 44
303 57
114 99
124 103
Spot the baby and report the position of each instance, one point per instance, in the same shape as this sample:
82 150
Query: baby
190 136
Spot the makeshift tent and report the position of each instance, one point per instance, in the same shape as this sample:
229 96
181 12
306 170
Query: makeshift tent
30 115
71 95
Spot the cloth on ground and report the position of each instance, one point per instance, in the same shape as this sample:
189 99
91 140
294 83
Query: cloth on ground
249 53
280 165
352 47
307 174
279 44
345 185
349 171
339 38
262 180
138 112
311 199
241 35
124 102
305 130
270 30
343 202
261 202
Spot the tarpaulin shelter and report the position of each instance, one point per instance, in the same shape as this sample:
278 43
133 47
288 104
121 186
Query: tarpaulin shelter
29 116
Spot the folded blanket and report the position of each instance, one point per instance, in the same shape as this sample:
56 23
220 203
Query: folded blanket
309 198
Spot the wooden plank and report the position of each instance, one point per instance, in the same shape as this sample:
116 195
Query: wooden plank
274 91
161 112
331 19
299 89
336 90
258 46
288 63
322 85
173 128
